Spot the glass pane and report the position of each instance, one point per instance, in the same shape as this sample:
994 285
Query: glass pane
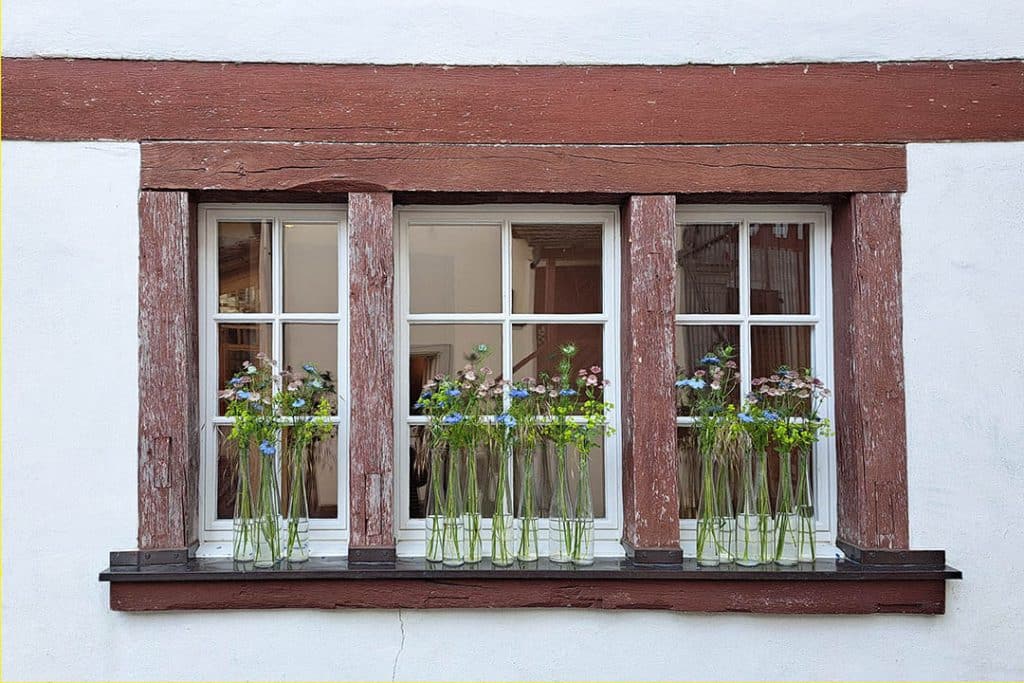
780 270
556 268
777 346
238 342
707 277
455 269
227 473
244 266
443 349
310 268
692 343
311 343
321 477
688 472
545 472
536 349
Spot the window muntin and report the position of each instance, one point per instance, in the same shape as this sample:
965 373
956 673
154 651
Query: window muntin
532 239
272 279
764 286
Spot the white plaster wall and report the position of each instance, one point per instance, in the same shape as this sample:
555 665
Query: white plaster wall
70 250
515 31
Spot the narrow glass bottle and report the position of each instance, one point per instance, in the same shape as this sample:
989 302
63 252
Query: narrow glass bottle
559 513
268 513
474 510
805 507
748 549
528 543
244 519
581 550
297 518
453 529
503 543
786 518
433 521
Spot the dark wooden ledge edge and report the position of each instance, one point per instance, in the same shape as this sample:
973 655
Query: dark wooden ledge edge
827 587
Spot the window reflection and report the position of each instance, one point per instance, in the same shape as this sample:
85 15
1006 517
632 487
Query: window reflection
244 266
556 268
780 255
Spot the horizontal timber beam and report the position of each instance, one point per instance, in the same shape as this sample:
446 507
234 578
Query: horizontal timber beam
340 167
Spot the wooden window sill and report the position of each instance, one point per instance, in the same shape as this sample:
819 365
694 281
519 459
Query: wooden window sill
827 587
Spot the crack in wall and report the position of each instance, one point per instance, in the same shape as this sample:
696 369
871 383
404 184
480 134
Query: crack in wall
401 646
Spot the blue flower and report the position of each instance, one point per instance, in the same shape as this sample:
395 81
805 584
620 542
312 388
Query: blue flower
242 395
743 417
506 419
427 394
267 448
681 383
692 383
298 403
258 407
453 419
316 384
418 405
236 381
453 392
309 367
518 393
771 416
567 392
710 359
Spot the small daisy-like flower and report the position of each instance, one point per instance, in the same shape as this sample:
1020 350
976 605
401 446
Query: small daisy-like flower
453 392
595 369
454 418
743 417
298 403
243 395
591 380
267 448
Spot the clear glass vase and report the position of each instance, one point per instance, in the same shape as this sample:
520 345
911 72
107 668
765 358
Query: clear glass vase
244 521
765 521
296 532
725 521
527 550
805 508
708 517
268 515
433 518
560 511
581 541
748 540
453 529
503 543
786 518
474 509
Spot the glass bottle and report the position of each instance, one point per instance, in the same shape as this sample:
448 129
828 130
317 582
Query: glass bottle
786 518
765 521
433 518
297 518
805 507
748 546
453 530
268 513
707 512
244 519
503 521
581 549
528 543
473 510
725 521
559 513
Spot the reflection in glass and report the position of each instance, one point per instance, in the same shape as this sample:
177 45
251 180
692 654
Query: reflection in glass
546 473
420 452
556 268
444 349
455 269
227 473
321 476
310 254
693 341
780 273
688 472
239 342
536 349
244 266
311 343
707 275
776 345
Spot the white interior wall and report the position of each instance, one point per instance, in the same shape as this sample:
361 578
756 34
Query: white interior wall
70 254
515 31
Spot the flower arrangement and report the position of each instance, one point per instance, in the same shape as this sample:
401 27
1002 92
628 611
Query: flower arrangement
258 413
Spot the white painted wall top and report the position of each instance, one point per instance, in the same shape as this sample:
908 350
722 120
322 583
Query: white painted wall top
515 31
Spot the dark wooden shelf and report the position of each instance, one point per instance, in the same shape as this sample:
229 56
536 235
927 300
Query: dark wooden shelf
826 587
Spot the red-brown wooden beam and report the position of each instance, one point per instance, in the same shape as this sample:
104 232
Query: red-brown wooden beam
870 404
650 499
168 373
760 596
60 99
328 167
371 371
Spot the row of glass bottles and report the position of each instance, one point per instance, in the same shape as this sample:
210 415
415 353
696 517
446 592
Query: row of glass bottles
260 534
750 533
454 523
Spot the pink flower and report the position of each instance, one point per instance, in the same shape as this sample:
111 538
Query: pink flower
556 379
715 386
254 396
757 381
470 375
592 380
583 372
540 389
595 369
774 378
486 370
227 393
699 373
553 394
731 364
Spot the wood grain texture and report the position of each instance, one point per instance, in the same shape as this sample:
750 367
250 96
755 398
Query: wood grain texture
61 99
371 371
759 597
329 167
649 493
870 402
168 372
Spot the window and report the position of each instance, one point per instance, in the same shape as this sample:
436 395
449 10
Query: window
272 279
522 280
759 279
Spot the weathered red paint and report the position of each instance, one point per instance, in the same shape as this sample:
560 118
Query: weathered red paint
63 99
764 597
517 168
371 373
168 372
870 402
649 493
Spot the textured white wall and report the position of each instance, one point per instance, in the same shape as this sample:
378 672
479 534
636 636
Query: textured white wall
515 31
70 254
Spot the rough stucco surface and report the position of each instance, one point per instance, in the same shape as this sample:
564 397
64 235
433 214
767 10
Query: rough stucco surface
70 253
515 31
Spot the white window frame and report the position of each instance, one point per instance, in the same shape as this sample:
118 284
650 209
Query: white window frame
327 536
819 319
608 529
